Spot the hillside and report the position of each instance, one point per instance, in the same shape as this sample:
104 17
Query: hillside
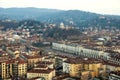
71 17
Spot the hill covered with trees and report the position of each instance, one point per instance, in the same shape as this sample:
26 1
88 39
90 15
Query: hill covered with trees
71 17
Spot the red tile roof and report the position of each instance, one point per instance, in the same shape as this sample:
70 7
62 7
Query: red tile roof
83 60
18 60
41 66
44 62
31 57
40 71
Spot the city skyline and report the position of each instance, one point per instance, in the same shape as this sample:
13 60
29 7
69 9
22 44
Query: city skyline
111 7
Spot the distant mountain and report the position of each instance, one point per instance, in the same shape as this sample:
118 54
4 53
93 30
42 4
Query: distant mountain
70 17
25 13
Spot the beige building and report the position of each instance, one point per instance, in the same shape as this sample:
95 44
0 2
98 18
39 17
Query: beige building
46 74
76 67
13 68
3 70
41 71
85 75
32 59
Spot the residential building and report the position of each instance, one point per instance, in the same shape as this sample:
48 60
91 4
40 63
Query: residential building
13 68
41 71
76 67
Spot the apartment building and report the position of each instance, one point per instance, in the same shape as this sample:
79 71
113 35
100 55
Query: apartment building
41 70
13 68
76 67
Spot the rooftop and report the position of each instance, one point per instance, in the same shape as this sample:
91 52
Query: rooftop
44 63
18 60
41 71
115 72
83 60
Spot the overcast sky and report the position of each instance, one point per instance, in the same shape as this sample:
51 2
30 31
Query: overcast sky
98 6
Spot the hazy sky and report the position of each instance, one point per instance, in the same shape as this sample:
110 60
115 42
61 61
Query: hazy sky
98 6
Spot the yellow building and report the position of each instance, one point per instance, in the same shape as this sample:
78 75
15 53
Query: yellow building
97 69
76 67
42 69
22 68
3 67
4 70
32 59
75 70
85 75
13 68
72 67
46 74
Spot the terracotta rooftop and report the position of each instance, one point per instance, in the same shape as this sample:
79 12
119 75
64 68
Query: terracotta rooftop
31 57
2 59
83 60
18 60
40 71
62 56
41 66
44 63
